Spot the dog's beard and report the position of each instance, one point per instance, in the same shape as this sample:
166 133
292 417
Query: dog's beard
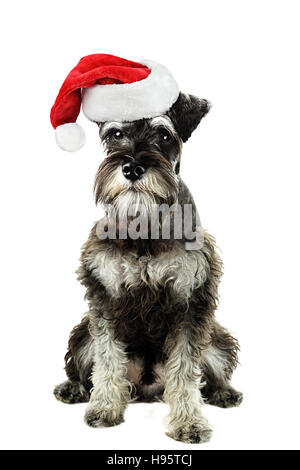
159 185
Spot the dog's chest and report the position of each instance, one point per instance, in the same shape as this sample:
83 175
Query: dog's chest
178 269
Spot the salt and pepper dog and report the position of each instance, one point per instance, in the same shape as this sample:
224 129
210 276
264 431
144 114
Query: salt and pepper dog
150 332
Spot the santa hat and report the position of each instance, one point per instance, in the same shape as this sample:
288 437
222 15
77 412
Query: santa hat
110 89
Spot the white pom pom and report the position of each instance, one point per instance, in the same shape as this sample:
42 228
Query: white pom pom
70 137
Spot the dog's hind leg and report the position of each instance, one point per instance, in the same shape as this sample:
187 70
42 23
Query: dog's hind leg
79 362
218 363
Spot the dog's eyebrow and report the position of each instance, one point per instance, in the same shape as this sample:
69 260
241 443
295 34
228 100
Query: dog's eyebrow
163 121
109 125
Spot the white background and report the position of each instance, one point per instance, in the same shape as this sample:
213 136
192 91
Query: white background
242 165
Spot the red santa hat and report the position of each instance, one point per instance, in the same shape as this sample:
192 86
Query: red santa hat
110 89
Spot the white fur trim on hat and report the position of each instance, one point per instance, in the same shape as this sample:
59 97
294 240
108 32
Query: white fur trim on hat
70 137
131 101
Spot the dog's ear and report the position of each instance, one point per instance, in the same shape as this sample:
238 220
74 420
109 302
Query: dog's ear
186 113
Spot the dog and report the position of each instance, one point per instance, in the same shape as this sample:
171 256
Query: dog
150 332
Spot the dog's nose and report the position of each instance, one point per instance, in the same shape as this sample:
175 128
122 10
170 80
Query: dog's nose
133 171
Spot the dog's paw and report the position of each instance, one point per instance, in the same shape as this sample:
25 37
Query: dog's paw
71 392
96 415
192 434
226 398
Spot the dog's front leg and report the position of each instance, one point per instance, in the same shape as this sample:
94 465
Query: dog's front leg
111 389
182 390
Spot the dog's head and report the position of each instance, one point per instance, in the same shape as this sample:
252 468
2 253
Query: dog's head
143 157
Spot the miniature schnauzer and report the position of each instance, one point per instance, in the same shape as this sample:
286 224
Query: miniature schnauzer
150 332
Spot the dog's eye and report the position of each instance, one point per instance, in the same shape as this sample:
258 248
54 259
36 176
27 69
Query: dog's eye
164 135
116 134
